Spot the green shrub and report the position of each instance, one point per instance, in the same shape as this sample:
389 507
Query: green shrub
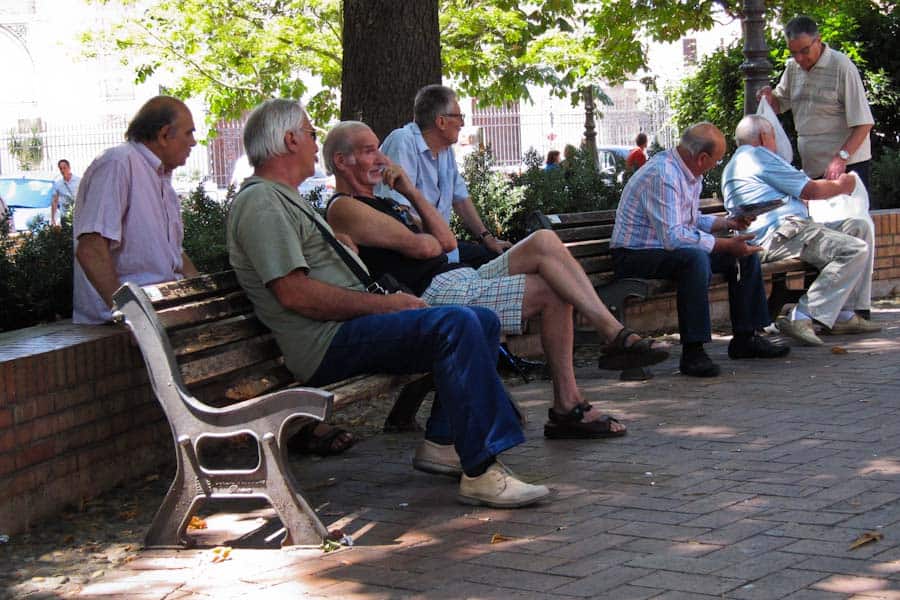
204 230
884 182
496 199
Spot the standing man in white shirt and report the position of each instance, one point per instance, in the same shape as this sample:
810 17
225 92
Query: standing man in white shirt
127 223
65 190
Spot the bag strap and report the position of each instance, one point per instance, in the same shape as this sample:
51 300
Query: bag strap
372 286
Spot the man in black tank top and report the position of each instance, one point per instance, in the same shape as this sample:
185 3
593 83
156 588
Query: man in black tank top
537 276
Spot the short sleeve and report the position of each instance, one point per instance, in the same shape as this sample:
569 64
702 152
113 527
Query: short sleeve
268 238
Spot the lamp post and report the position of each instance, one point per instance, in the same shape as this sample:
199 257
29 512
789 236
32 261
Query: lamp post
590 129
756 65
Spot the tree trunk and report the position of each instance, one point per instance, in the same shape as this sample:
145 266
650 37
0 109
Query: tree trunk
391 49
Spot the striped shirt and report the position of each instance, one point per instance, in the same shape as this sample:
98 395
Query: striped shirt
660 208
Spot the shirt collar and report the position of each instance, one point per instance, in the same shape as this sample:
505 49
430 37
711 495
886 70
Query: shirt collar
152 160
691 179
824 58
421 144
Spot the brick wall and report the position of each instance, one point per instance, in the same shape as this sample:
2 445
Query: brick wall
77 416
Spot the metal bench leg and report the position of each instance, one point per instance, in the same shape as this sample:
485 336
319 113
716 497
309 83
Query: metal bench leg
300 521
184 497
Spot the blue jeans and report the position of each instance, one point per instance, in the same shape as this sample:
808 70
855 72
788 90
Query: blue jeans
691 270
459 346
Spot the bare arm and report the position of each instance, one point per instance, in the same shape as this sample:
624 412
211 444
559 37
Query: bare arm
369 227
432 221
54 208
324 302
96 260
818 189
468 214
187 266
857 136
736 246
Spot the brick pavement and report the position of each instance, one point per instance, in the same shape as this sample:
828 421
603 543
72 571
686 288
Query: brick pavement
751 485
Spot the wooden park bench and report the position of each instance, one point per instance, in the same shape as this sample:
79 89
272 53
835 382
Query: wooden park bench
218 373
586 235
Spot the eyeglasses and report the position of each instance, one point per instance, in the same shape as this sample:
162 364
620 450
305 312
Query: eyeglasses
312 133
460 116
805 50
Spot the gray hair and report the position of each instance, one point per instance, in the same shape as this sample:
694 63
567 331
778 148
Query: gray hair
266 127
801 25
338 141
697 139
431 102
751 128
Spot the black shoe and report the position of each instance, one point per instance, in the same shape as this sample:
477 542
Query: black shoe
696 363
755 346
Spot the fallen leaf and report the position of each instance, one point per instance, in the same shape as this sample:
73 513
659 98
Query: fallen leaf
865 538
197 523
499 539
221 554
330 546
838 350
127 515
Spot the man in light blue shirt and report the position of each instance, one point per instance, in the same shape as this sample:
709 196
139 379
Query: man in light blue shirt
660 234
842 251
65 189
423 149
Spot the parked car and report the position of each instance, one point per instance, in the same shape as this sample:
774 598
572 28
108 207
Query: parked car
26 198
320 182
612 161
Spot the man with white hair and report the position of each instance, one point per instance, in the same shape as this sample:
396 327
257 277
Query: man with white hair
842 251
330 328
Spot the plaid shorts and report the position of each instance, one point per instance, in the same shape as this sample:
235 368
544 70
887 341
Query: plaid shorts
491 286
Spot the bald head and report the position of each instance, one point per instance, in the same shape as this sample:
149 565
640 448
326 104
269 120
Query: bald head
155 114
340 140
701 148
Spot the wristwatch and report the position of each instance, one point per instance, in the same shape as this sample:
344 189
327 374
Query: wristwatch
843 154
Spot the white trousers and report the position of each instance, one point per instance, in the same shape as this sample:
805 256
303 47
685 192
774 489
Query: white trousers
844 253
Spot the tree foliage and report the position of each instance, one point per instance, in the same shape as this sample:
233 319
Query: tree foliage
234 53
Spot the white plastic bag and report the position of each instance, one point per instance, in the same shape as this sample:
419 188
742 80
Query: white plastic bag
782 142
842 206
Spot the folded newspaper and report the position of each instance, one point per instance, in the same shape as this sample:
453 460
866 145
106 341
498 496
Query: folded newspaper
754 209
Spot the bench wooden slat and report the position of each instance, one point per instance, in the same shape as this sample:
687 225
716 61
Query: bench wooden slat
578 234
209 335
211 309
229 358
193 289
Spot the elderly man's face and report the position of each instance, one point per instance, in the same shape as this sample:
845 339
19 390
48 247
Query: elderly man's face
177 140
451 123
308 148
805 50
368 163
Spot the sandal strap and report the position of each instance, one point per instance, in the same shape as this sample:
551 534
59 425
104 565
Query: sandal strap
618 342
573 416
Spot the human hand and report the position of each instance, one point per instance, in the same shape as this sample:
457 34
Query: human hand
738 246
496 246
847 183
835 168
403 301
764 92
740 223
396 178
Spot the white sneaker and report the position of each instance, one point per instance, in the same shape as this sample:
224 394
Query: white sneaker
440 459
499 488
800 329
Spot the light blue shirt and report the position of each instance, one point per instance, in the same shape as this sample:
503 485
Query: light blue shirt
756 174
66 190
435 176
660 208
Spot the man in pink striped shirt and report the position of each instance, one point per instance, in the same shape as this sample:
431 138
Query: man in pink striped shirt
127 223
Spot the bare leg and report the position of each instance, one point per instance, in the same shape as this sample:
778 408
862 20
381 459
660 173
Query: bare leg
543 254
557 335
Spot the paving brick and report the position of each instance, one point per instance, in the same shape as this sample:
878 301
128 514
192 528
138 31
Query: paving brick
776 585
688 582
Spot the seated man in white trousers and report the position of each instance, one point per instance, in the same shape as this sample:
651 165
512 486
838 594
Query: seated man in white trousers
842 251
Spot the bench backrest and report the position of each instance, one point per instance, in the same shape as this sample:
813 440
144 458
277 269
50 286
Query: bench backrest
223 352
587 234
